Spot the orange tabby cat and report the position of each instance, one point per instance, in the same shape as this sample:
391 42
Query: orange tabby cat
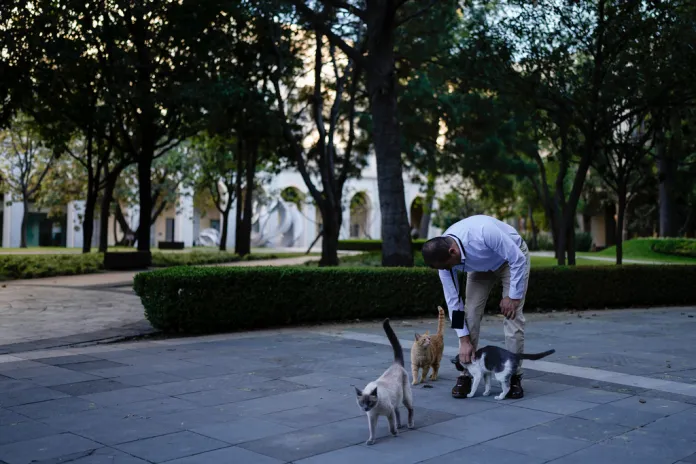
427 350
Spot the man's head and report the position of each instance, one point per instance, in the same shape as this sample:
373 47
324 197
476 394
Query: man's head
441 253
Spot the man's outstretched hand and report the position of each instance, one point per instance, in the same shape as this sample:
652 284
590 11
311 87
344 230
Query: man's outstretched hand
508 307
466 351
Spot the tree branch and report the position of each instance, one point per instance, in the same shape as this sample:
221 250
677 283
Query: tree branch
416 14
360 13
311 16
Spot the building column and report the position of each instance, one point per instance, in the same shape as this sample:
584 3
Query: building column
183 226
74 237
12 224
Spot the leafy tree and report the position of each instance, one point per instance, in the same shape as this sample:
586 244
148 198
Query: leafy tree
157 64
337 153
380 20
27 161
216 173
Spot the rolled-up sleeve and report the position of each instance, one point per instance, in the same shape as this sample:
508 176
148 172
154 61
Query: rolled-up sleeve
452 299
502 244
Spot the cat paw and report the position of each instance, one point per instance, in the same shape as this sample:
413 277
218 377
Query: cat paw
394 432
470 395
370 442
415 382
499 397
486 393
411 425
433 377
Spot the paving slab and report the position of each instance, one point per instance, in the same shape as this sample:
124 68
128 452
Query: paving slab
258 398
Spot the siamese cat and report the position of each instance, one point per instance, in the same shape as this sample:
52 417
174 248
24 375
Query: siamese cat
384 396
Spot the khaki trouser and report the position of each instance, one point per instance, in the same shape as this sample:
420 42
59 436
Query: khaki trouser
478 288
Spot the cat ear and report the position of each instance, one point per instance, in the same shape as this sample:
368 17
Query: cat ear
374 392
357 390
418 337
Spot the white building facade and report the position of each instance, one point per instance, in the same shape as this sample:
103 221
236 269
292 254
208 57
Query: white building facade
276 223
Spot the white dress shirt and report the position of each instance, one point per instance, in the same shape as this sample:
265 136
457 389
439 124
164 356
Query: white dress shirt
488 244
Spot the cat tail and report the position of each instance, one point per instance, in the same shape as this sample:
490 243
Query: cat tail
393 339
440 321
536 356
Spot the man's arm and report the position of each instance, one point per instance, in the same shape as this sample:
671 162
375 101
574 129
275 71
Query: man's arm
452 299
502 244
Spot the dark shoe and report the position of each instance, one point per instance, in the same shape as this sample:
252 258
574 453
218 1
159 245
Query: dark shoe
463 387
516 392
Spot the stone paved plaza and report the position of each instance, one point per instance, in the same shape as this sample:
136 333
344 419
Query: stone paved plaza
621 388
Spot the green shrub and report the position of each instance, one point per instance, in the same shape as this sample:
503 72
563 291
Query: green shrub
18 266
197 258
203 300
675 246
371 245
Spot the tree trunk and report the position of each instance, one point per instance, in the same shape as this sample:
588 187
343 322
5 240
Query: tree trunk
225 217
427 207
145 200
331 230
243 239
620 226
535 243
25 223
88 220
381 84
105 212
571 242
667 176
240 201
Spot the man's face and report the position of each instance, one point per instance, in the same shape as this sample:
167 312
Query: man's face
455 258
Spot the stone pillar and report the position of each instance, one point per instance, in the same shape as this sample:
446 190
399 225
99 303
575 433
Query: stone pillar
183 226
75 217
12 223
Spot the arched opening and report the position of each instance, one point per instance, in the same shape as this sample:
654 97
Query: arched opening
360 216
416 216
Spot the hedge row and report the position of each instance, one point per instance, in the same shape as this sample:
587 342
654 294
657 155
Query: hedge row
676 246
204 300
371 245
34 266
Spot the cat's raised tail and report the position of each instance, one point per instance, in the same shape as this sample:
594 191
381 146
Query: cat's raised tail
394 340
440 321
535 356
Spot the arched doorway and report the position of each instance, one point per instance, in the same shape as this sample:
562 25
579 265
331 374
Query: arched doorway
416 216
360 216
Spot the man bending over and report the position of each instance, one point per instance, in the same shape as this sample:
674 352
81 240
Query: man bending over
487 250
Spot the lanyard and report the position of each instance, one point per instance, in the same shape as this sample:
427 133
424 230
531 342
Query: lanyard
454 281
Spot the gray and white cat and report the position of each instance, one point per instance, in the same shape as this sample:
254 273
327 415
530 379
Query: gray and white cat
384 396
495 361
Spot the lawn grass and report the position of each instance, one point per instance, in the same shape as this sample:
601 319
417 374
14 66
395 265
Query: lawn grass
641 249
374 259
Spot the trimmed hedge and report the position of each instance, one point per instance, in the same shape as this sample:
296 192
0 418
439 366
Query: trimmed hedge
127 260
675 246
34 266
205 300
371 245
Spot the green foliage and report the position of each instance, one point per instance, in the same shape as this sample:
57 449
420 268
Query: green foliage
677 247
583 241
205 300
371 245
35 266
196 257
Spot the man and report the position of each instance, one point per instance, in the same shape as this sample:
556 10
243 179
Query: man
486 249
